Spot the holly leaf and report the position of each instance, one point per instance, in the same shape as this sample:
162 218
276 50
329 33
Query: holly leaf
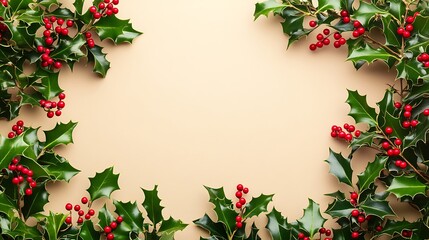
131 214
368 54
48 3
61 134
365 139
360 111
113 28
421 24
417 92
419 133
35 202
152 204
397 9
49 87
396 227
379 208
53 223
217 193
30 99
128 35
78 5
225 214
395 124
58 167
257 205
20 36
340 208
410 70
337 195
30 16
385 106
17 229
6 205
103 184
312 220
277 226
215 229
17 5
406 186
389 30
372 172
87 231
170 226
340 167
267 7
366 12
416 43
10 148
101 65
122 232
328 5
69 49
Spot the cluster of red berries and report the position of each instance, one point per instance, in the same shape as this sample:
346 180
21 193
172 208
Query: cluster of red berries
359 29
407 233
407 113
405 31
353 198
22 174
392 150
48 106
57 31
5 3
17 129
77 208
322 231
424 59
108 230
89 40
337 131
240 203
323 39
105 8
345 16
3 28
46 59
360 218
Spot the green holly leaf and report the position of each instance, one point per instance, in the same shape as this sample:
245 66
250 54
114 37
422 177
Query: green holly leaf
122 232
328 5
365 139
101 65
372 172
87 231
410 70
395 227
417 92
30 99
36 202
366 12
360 111
385 106
267 7
215 229
368 54
64 13
343 233
395 124
17 5
34 149
69 49
293 25
48 3
253 235
277 226
340 167
225 214
113 28
78 5
170 226
128 35
103 184
416 44
377 208
57 167
31 16
421 24
10 148
337 195
132 215
419 134
217 193
389 30
152 204
312 220
397 9
20 36
17 229
340 208
257 205
53 223
6 205
49 87
61 134
406 186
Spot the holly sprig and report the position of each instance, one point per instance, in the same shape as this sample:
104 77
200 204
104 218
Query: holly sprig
49 37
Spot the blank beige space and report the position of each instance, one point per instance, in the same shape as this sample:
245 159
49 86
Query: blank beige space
209 97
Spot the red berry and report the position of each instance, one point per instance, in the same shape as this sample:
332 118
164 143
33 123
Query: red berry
61 104
238 205
33 184
53 19
119 219
15 180
319 37
40 49
390 152
81 213
337 35
326 41
312 23
414 123
334 134
110 236
245 190
87 216
97 15
326 31
113 225
15 160
400 31
406 124
355 213
48 25
403 165
68 220
354 195
69 23
91 212
342 41
346 126
29 179
115 10
61 96
388 130
58 113
361 30
47 33
408 108
426 112
50 114
396 151
355 235
242 201
356 24
240 187
238 219
361 218
337 44
11 135
64 32
406 34
328 232
344 13
60 21
20 123
28 191
77 208
351 128
239 194
57 65
410 19
301 235
49 41
312 47
342 134
80 220
425 57
12 167
346 19
322 230
92 9
355 33
398 142
409 27
101 5
407 114
379 228
115 2
385 145
107 229
334 128
319 44
348 137
397 105
239 224
398 163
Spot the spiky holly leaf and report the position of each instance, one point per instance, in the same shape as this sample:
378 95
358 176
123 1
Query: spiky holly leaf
30 99
340 167
418 91
31 16
216 229
19 5
340 208
103 184
78 5
113 28
366 12
368 54
131 214
170 226
365 139
128 35
49 86
20 36
101 65
267 7
87 231
421 24
377 208
325 5
35 202
416 44
152 204
34 149
225 214
48 3
58 167
344 234
312 220
395 124
360 111
419 133
6 205
385 106
17 229
293 24
372 172
337 195
397 9
395 227
407 186
253 235
257 205
122 232
10 148
69 49
52 224
61 134
277 226
410 70
217 193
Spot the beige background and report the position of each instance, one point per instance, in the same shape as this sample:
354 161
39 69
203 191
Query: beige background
209 97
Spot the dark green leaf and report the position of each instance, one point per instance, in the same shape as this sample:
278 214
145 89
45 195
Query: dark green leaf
328 5
395 227
397 9
20 36
368 54
103 184
152 204
366 12
31 99
19 230
407 186
421 24
69 48
215 229
267 7
395 124
61 134
128 35
217 193
385 106
338 195
312 219
365 139
340 167
225 214
257 205
10 148
253 235
58 167
376 207
53 224
418 91
113 28
360 110
416 43
31 16
101 65
132 215
6 205
410 70
277 226
48 3
49 87
170 226
35 202
122 232
372 172
87 231
78 5
418 134
17 5
340 208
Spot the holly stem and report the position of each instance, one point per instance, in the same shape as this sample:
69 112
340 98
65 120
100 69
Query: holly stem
395 54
